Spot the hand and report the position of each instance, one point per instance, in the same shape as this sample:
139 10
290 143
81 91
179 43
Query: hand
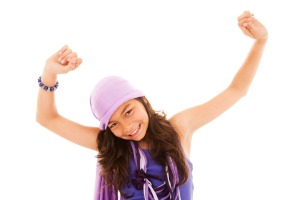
62 61
252 27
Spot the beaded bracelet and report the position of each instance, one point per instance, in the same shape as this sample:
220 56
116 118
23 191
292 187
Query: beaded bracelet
47 88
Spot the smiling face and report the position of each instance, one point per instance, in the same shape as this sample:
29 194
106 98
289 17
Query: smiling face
130 121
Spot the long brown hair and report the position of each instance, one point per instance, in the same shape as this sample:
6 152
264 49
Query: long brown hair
114 153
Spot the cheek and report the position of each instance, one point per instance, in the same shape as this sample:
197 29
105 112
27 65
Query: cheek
141 116
117 132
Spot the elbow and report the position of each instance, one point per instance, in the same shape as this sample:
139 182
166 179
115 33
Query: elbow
39 119
43 120
243 93
239 92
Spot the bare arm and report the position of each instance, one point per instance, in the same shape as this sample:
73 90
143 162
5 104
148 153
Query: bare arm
189 120
47 115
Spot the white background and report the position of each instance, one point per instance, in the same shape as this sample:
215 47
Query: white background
180 53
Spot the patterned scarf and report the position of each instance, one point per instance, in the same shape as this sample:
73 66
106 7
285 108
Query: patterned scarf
141 180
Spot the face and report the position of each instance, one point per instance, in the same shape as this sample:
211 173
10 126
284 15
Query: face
130 121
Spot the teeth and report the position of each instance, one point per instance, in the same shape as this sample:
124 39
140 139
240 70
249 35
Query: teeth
134 132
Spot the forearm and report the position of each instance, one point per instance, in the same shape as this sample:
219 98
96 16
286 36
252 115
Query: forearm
61 62
246 73
46 107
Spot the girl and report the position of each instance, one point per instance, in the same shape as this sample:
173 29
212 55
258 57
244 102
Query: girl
141 153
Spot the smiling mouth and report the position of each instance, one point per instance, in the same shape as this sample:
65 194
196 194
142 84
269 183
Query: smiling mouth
135 132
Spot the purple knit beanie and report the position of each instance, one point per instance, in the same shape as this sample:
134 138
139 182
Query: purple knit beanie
108 94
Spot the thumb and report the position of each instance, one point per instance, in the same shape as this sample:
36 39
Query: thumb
246 29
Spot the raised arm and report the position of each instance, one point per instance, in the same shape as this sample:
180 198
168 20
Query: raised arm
47 115
188 121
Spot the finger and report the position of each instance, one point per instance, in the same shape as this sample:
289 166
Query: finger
63 49
245 14
68 57
78 62
246 29
59 52
64 56
73 64
245 21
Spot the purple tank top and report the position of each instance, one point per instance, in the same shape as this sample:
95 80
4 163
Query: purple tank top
186 190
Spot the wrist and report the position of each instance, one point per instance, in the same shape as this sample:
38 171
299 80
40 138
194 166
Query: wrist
48 78
47 87
262 41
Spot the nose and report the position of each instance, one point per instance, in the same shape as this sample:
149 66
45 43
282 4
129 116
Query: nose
127 127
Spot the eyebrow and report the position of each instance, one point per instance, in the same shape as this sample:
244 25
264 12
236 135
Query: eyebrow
125 108
122 112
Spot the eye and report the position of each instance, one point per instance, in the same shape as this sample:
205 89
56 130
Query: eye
128 112
112 125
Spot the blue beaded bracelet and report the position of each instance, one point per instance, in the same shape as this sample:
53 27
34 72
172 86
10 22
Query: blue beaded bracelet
47 88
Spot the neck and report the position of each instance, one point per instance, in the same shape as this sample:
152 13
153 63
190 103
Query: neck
143 144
